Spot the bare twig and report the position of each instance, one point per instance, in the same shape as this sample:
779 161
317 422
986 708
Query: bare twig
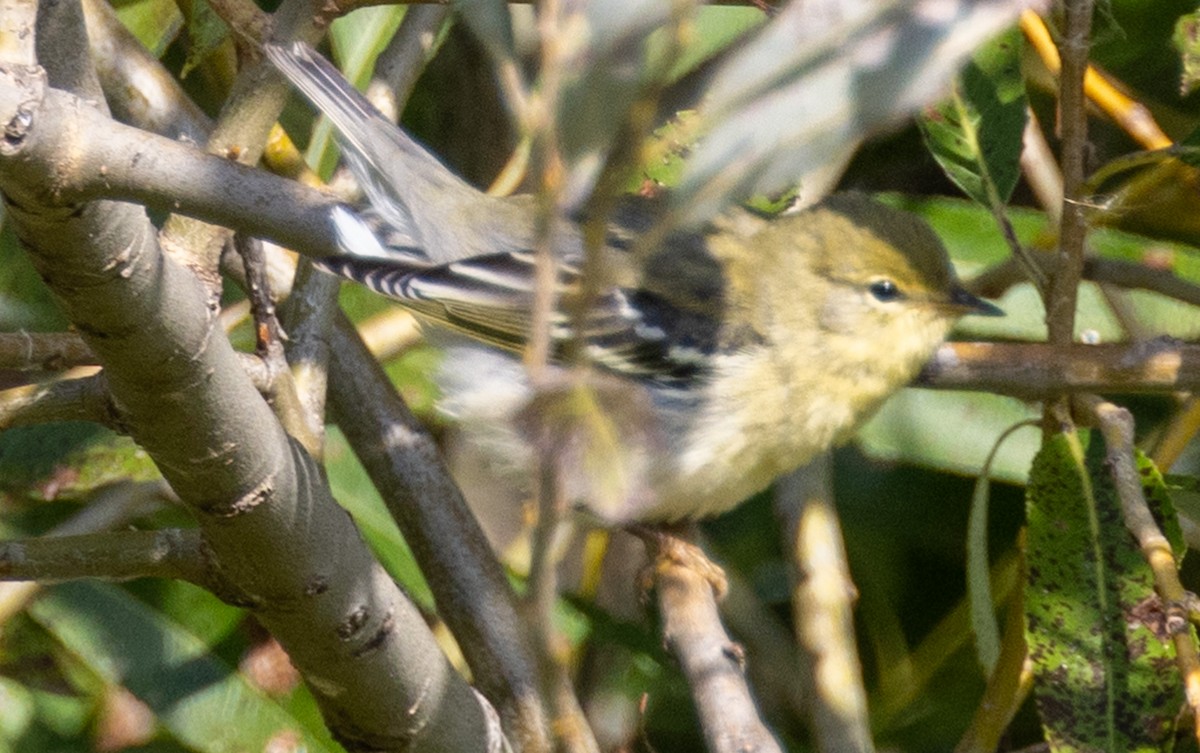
401 63
109 160
247 115
1040 168
709 659
82 399
1064 287
136 85
1177 434
1039 370
45 351
109 508
268 344
120 555
1131 115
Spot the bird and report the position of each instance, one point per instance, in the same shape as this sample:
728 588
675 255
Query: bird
713 362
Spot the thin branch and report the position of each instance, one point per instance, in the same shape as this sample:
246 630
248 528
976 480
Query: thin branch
538 121
240 134
711 662
995 281
1039 370
83 399
400 64
138 88
1134 117
44 351
177 554
109 508
111 160
1116 424
1040 168
471 588
1073 48
309 314
268 344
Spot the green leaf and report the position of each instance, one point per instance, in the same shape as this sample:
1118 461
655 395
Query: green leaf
951 431
206 32
156 23
1105 677
205 704
976 134
357 39
979 580
68 460
352 488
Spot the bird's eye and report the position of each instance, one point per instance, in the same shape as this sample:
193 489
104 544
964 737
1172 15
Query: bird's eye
885 290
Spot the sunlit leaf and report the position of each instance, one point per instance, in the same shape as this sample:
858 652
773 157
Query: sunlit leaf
156 23
975 135
204 703
68 460
357 39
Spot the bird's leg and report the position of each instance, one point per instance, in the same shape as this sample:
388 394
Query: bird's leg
669 547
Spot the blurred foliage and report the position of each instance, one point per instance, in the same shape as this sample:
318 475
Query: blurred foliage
903 489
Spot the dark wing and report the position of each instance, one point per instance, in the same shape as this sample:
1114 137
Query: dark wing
635 332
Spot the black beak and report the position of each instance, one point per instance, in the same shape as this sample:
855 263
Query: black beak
973 304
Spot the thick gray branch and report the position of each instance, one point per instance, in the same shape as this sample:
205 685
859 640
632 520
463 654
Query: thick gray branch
114 161
262 503
472 592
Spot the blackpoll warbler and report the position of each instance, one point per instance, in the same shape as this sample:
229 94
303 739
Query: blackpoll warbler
750 345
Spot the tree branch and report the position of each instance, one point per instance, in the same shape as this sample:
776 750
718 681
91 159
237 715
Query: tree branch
261 501
84 399
120 555
1038 370
43 351
472 592
708 657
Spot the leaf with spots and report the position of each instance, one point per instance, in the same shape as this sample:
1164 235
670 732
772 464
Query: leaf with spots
1105 677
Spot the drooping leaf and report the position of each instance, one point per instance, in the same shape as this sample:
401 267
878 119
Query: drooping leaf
979 581
975 135
1105 677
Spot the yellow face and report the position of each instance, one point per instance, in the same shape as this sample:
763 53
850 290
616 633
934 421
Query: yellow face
857 298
